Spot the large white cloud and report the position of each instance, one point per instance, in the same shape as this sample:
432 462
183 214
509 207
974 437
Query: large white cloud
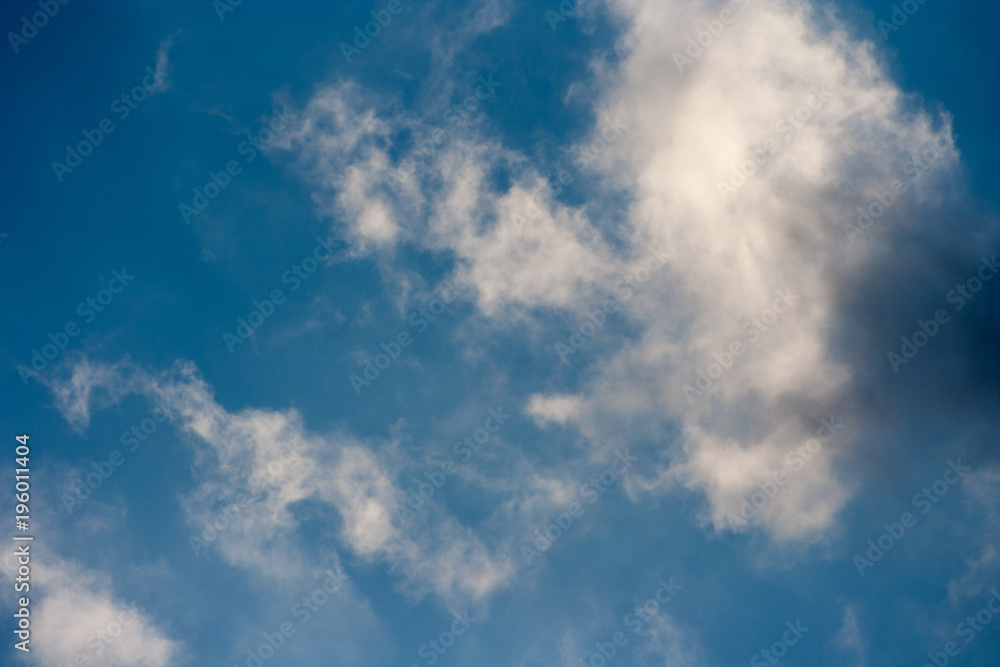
736 249
733 250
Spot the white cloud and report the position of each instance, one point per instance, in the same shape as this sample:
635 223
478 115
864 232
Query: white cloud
163 64
259 463
850 639
557 409
75 614
83 385
782 230
515 247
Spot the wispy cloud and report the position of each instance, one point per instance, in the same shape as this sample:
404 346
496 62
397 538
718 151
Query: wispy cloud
850 639
163 68
269 457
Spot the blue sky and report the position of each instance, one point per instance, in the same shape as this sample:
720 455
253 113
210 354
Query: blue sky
623 298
